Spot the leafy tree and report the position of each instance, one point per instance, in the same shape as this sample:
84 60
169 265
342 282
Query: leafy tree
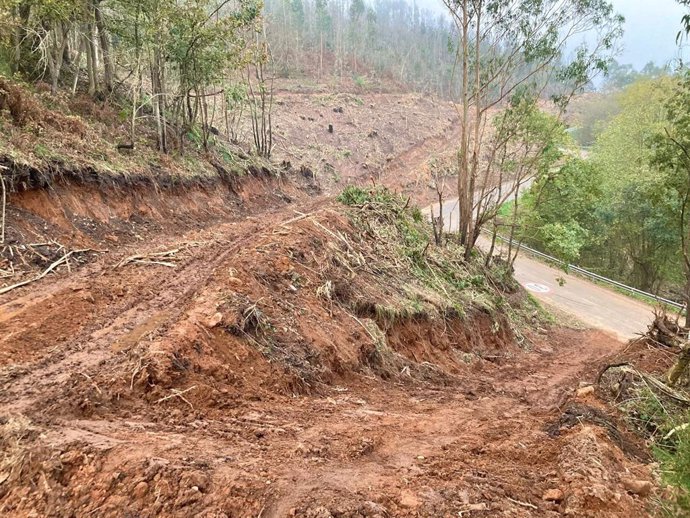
620 75
561 207
590 114
614 213
506 47
639 244
671 151
526 145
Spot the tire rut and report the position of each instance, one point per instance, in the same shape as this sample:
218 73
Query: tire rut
156 303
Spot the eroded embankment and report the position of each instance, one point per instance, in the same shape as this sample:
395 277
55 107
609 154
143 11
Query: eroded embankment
49 214
327 362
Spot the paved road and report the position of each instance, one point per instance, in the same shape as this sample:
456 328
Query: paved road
592 304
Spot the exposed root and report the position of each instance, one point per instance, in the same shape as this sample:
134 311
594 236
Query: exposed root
178 394
656 386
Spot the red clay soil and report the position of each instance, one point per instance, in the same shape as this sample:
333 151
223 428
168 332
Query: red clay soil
145 390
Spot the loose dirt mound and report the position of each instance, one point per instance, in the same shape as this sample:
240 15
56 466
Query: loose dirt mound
327 362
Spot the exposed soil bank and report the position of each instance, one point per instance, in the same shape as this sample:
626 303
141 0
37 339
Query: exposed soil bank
286 364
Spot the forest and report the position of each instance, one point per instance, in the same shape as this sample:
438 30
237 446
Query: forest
619 208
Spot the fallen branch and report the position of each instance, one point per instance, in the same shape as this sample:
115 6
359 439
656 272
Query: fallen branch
523 504
57 263
676 429
178 393
4 204
160 263
297 218
149 258
90 379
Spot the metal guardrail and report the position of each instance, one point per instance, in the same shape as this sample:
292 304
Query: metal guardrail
596 276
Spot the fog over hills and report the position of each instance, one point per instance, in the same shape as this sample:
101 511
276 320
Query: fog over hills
650 29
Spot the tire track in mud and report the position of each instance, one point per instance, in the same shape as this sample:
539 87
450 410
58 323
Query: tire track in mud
146 309
131 315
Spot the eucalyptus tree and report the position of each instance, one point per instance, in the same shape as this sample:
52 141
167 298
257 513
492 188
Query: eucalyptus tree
324 26
187 49
505 47
672 156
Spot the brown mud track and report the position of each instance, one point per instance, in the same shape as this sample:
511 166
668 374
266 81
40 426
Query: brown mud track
230 386
125 393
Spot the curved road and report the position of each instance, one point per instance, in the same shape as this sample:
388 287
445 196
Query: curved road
594 305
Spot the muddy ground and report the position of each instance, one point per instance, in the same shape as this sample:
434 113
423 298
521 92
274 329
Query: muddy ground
225 376
128 391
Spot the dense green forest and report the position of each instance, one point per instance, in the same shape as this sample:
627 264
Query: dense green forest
622 210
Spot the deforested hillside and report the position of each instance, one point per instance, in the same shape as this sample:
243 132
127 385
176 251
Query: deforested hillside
326 362
267 260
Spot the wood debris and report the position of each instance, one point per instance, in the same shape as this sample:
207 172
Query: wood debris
151 258
63 260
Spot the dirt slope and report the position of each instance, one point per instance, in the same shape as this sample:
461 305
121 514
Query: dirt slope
385 138
277 370
283 355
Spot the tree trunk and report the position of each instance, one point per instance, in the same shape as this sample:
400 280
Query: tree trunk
55 51
463 170
490 253
77 66
158 98
687 300
90 58
473 225
104 39
321 57
20 35
680 366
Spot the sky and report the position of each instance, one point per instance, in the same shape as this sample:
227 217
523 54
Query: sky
650 29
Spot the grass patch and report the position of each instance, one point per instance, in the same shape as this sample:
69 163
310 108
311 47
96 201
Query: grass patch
664 425
434 281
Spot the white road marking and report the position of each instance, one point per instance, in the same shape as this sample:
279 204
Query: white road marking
537 288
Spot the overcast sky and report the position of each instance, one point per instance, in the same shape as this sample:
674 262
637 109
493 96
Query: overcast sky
650 29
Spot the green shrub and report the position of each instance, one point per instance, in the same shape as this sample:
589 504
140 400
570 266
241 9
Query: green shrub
354 195
675 465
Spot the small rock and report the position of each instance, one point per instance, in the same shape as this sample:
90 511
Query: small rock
87 296
140 490
370 508
408 499
637 487
585 391
553 495
319 512
213 321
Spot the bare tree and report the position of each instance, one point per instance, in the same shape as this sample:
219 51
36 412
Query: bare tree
261 101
